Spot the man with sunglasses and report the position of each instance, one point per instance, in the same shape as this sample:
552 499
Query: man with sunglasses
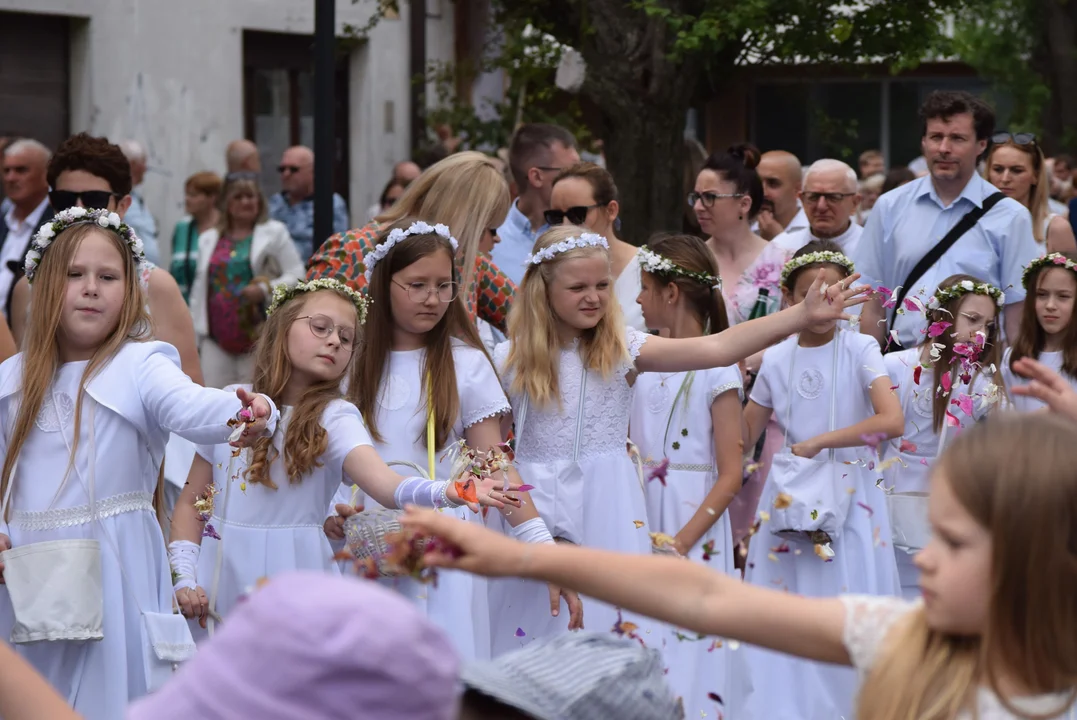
948 222
830 199
27 189
294 204
538 152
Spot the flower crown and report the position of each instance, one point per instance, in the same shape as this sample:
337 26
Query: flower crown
284 292
79 216
823 256
372 258
1054 259
581 241
965 287
652 262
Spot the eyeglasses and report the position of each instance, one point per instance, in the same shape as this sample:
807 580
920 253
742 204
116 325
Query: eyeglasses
831 198
287 169
321 326
708 198
980 321
67 199
419 292
548 169
1016 138
576 215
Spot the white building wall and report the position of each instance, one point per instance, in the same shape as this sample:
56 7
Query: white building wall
169 73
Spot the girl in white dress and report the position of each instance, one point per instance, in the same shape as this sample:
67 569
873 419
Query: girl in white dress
567 366
85 413
688 427
994 638
1048 324
422 382
272 522
942 391
829 391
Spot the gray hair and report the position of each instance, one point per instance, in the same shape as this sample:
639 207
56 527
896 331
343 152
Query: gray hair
831 165
133 150
23 144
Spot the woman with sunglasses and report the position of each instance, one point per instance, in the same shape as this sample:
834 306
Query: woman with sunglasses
1015 164
584 194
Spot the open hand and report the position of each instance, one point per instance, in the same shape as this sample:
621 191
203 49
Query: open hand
5 544
256 413
473 548
334 524
575 606
820 306
1047 386
490 492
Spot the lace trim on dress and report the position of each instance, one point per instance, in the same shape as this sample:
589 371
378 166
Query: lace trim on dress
868 620
716 391
493 409
636 339
174 652
81 515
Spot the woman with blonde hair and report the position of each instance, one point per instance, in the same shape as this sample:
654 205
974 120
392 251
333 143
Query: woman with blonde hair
239 262
467 192
1016 166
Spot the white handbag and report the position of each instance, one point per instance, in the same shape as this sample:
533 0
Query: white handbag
910 529
166 637
814 503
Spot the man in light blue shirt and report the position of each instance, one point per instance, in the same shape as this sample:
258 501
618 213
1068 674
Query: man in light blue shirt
537 153
906 223
294 205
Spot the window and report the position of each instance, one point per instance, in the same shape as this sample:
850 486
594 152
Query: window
34 77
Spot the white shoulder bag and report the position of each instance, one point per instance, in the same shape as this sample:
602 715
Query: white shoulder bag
814 502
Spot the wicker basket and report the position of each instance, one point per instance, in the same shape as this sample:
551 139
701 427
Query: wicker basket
365 532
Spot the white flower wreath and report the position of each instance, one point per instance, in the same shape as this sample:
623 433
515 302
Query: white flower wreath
551 251
372 258
823 256
965 287
283 293
79 216
1052 260
652 262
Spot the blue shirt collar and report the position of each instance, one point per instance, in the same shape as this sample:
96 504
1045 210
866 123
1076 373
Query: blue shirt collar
521 223
975 190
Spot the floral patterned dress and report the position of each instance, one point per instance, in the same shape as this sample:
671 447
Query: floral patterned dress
233 323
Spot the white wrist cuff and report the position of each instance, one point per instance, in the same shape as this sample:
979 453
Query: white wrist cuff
533 532
183 557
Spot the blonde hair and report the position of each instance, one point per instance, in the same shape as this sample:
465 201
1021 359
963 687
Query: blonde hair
466 191
234 186
41 357
305 440
1041 188
1014 475
534 350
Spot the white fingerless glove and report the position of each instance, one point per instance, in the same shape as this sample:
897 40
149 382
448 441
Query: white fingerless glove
533 531
423 492
183 557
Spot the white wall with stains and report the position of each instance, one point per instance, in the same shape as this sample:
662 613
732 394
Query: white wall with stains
169 73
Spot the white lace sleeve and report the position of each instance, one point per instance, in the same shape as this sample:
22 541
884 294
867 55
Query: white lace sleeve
634 339
480 392
868 620
722 380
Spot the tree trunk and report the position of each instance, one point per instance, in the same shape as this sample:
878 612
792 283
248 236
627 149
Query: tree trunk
645 99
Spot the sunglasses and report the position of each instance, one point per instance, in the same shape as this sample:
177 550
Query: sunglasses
67 199
576 215
1016 138
287 168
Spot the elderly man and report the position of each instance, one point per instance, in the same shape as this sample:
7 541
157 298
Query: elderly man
294 204
830 198
26 187
138 215
242 156
780 172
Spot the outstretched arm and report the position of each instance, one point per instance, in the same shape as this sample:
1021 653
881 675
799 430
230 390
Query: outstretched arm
24 695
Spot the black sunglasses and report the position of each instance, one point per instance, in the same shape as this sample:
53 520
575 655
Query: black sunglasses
1016 138
287 168
94 199
576 215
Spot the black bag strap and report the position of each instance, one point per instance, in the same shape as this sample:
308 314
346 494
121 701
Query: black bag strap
963 225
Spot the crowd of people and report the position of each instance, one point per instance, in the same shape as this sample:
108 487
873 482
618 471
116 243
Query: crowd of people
830 418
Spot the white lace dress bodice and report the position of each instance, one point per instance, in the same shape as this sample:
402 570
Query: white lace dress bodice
868 622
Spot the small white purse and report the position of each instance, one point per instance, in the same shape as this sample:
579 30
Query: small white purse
814 502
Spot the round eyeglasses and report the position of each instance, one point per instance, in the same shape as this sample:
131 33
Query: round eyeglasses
322 326
418 292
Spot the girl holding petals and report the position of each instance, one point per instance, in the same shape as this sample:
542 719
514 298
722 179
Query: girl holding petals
422 381
947 383
269 513
688 427
820 511
1048 326
85 412
568 367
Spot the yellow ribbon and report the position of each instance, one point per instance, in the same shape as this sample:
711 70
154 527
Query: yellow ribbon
430 450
